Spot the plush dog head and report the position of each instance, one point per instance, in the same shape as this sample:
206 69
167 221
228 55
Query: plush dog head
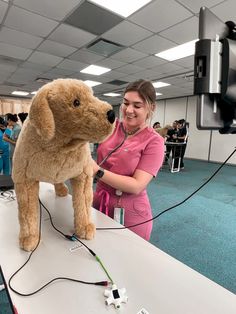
67 108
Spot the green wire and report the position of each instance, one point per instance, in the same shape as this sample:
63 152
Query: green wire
100 262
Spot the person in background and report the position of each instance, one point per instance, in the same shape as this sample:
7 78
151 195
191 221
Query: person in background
156 125
22 116
16 128
4 150
181 137
170 139
130 158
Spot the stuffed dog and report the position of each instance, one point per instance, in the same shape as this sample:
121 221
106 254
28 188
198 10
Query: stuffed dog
53 146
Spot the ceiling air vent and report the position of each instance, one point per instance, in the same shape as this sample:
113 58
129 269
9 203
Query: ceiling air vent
117 82
43 80
104 47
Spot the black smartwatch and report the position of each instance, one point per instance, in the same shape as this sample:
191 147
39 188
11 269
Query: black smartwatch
99 175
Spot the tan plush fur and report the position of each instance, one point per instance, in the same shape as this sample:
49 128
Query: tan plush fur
163 131
53 147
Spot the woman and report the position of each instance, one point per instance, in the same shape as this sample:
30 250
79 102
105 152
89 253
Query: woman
4 150
16 128
130 158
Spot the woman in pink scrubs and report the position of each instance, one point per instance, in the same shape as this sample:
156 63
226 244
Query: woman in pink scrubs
129 159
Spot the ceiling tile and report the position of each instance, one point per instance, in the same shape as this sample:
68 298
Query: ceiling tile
16 38
3 10
6 70
130 69
4 77
154 44
25 74
149 62
10 61
86 56
148 74
14 51
195 6
114 74
35 66
225 11
152 17
53 9
110 63
187 62
131 78
133 33
92 18
167 68
6 89
72 65
44 58
56 72
55 48
28 22
188 30
128 55
35 42
103 88
71 36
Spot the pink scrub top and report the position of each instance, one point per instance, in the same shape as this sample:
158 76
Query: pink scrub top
143 151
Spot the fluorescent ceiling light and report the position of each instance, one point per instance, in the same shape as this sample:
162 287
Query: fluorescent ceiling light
112 94
95 70
20 93
178 52
33 93
158 94
92 83
160 84
123 8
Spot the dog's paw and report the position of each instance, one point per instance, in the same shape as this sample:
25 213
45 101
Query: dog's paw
86 232
28 243
61 189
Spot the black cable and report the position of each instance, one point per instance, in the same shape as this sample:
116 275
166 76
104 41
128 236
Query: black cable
176 205
72 238
50 217
69 237
115 148
102 283
99 283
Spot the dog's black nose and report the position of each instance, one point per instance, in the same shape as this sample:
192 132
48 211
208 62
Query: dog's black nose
111 116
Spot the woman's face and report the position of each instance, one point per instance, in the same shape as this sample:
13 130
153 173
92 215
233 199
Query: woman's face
9 122
134 110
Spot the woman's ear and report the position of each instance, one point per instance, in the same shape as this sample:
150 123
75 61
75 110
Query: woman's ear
41 117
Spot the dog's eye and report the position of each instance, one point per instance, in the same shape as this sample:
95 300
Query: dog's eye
76 103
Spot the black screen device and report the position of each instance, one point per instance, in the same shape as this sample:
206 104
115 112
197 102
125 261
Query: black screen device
214 73
6 183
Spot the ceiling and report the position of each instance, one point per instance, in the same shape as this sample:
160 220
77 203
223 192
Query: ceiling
51 39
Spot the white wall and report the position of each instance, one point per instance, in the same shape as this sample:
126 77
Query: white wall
159 113
175 110
198 142
222 146
202 144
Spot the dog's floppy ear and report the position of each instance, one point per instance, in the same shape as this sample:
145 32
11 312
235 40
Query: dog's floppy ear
41 116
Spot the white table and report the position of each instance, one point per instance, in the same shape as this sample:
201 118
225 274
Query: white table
154 280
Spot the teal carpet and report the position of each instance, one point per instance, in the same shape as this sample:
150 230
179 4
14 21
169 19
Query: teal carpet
201 233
